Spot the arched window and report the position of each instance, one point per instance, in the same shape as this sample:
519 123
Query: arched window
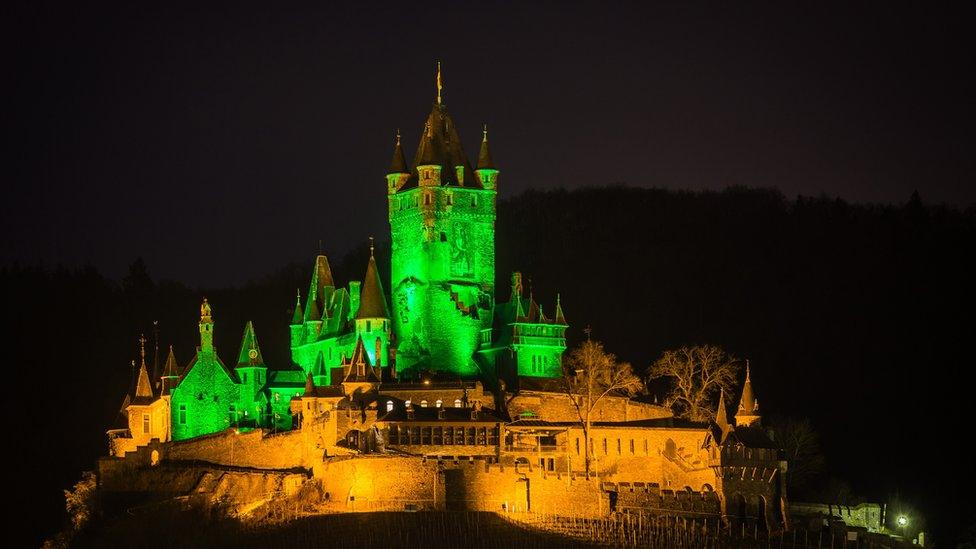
407 403
439 403
423 403
457 403
389 405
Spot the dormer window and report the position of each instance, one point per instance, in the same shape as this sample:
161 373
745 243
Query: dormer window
423 403
389 405
439 403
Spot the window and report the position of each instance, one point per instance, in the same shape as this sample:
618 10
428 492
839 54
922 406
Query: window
407 403
577 445
232 414
244 376
423 403
182 414
427 199
389 405
605 446
145 423
443 236
474 201
457 403
439 403
618 447
631 446
369 326
450 199
645 446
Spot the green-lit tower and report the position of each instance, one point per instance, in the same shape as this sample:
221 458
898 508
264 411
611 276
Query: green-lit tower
442 222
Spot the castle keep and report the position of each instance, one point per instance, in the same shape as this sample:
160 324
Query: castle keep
437 389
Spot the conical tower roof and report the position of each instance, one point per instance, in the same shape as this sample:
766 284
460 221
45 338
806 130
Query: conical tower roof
440 145
399 162
372 303
250 354
296 317
484 155
747 404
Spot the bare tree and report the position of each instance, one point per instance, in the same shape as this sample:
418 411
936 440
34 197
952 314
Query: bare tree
697 374
591 374
801 444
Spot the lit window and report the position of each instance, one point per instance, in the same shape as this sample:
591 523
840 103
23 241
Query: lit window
407 403
145 423
389 405
439 403
457 403
423 403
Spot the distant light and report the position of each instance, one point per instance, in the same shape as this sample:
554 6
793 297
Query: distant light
426 382
902 520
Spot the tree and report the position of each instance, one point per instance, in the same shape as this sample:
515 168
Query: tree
590 374
801 445
697 374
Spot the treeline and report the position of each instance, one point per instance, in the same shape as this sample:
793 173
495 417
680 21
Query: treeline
856 316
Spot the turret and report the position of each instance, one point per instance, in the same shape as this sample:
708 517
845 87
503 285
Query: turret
748 413
206 328
721 416
252 372
487 174
399 173
373 315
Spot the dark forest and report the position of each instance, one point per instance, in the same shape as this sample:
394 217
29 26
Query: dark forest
858 317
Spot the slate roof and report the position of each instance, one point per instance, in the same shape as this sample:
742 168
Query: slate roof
372 303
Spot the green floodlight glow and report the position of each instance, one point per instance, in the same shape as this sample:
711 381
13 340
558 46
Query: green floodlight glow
902 520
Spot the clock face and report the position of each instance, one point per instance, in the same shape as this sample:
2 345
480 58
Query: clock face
253 353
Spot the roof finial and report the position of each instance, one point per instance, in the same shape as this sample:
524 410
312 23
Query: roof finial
142 350
398 137
747 369
439 84
484 133
371 246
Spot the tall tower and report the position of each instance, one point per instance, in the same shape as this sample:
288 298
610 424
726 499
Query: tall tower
442 222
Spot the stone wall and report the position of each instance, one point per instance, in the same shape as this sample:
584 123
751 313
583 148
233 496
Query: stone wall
552 406
253 449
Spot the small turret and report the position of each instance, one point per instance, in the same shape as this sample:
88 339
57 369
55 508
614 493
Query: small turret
297 327
486 171
399 173
748 412
560 317
373 314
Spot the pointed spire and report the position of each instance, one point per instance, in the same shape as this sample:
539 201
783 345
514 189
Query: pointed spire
399 162
312 311
484 156
560 317
296 318
721 415
748 412
143 386
372 301
250 354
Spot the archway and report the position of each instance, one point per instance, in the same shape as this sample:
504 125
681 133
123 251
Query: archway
761 519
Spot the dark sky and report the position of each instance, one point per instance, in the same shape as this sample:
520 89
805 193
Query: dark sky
220 144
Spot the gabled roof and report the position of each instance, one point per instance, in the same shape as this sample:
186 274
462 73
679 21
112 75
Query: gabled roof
372 302
250 354
359 361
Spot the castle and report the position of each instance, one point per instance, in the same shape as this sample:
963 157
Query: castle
440 397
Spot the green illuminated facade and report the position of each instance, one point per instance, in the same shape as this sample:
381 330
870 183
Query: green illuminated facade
442 315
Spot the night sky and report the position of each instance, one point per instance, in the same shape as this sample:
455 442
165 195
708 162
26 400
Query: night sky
221 144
